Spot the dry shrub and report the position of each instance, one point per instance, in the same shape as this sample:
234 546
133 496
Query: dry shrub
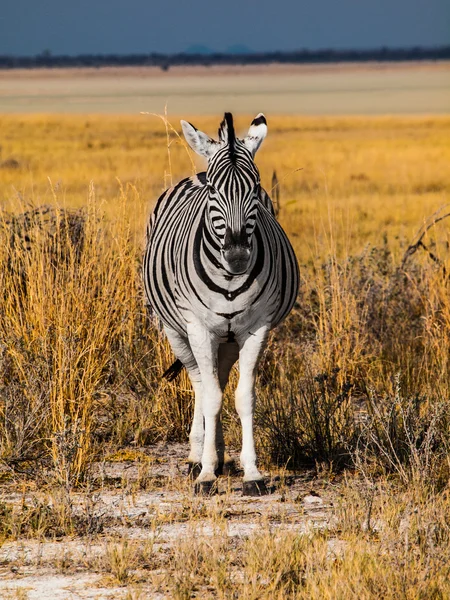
122 558
74 338
364 355
198 564
275 564
306 419
407 436
36 517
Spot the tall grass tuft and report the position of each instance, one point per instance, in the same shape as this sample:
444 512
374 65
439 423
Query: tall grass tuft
73 322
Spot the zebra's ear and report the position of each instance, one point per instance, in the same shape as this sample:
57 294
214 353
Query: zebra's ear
199 141
256 133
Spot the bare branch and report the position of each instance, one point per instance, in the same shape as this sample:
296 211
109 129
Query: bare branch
412 248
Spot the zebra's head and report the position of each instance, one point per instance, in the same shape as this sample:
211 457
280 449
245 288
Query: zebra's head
233 187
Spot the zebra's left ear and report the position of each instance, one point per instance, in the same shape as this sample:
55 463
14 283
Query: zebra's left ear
199 141
256 133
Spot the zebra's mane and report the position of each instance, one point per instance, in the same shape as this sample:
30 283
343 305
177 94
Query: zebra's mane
228 135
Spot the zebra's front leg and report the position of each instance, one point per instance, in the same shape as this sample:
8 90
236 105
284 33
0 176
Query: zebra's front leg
251 348
205 348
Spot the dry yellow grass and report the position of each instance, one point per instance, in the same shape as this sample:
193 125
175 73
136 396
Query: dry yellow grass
362 176
359 375
354 192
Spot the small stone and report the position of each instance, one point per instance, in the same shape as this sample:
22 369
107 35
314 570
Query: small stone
313 500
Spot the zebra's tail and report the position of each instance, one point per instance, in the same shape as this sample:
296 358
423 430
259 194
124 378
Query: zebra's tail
173 371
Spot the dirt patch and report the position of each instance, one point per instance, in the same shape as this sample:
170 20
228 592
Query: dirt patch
148 503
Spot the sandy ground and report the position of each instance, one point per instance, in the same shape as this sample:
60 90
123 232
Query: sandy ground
65 568
373 88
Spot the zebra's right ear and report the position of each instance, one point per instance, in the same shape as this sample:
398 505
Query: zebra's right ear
199 141
256 133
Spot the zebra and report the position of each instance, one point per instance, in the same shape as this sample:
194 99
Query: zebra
220 273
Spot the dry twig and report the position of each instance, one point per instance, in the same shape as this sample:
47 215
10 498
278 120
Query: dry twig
412 248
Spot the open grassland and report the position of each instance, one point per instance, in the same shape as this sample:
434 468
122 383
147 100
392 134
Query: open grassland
354 179
354 390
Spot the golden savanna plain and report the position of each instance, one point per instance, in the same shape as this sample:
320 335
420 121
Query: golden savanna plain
352 422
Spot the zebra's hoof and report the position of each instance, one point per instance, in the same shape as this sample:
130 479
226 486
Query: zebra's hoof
194 470
205 488
255 488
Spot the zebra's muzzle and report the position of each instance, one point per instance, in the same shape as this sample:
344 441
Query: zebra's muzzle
236 259
236 252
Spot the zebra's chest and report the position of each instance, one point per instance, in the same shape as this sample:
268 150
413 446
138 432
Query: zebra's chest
223 310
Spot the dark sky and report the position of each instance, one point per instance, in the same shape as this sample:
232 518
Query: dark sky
126 26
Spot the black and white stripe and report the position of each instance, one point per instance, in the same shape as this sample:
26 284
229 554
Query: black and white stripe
216 255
